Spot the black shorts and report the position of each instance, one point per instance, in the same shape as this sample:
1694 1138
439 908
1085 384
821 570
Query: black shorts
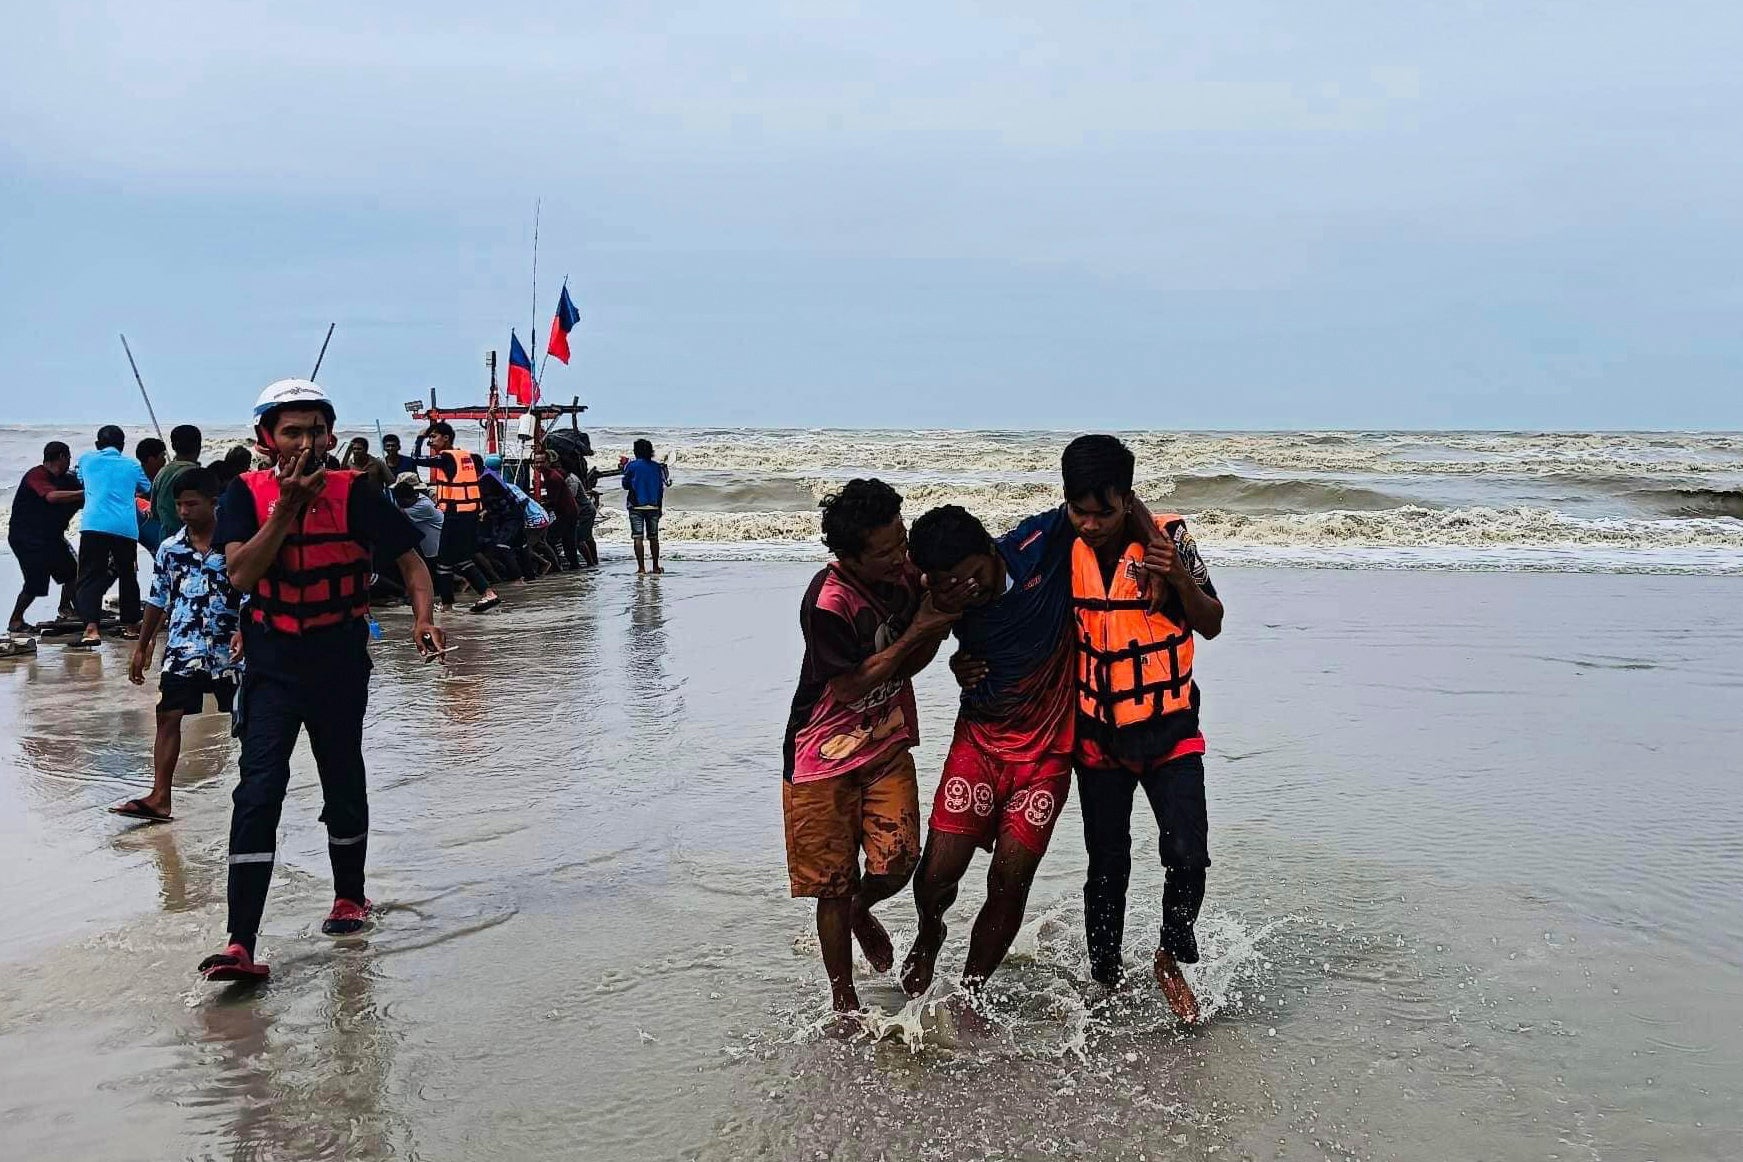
42 564
187 692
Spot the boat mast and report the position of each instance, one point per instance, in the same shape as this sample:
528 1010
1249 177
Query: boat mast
493 411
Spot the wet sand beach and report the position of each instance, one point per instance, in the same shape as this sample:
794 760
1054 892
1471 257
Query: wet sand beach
1476 870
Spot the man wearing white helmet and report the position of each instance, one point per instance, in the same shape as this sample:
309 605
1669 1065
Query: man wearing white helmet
298 539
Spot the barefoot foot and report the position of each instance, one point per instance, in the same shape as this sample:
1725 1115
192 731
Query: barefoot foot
1175 988
880 953
922 960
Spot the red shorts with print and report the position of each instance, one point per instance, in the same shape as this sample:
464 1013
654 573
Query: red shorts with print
984 795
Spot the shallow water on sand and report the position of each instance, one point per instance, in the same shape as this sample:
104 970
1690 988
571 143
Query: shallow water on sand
1477 863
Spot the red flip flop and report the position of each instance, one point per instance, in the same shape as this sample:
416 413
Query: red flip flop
234 963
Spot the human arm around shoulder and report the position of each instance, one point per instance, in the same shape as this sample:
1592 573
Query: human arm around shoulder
903 658
1171 555
1177 561
1204 609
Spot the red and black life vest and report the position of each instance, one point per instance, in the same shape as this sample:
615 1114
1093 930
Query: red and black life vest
321 576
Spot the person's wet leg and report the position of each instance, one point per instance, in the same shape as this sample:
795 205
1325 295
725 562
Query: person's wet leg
444 578
835 939
1105 796
334 716
92 583
125 565
166 752
889 835
936 884
1176 794
270 722
874 940
15 623
1007 895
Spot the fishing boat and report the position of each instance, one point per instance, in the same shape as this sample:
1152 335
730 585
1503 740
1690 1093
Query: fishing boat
517 433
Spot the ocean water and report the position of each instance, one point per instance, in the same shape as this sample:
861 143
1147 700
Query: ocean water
1474 897
1474 808
1574 501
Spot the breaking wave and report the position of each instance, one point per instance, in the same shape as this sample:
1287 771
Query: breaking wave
1406 526
1656 501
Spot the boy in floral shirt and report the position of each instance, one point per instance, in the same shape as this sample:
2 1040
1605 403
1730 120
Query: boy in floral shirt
191 592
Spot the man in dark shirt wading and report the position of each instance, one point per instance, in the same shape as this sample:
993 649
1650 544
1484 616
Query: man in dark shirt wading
42 508
298 540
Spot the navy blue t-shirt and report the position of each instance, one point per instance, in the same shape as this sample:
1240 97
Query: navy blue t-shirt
1022 632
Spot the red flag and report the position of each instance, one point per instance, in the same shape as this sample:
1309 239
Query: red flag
522 388
564 322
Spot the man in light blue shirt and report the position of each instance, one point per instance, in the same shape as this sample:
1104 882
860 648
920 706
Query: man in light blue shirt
645 483
109 534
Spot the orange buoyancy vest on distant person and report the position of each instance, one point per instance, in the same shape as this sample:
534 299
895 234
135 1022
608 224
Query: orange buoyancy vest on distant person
1132 665
458 491
321 575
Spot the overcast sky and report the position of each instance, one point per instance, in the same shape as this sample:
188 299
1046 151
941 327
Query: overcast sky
1221 214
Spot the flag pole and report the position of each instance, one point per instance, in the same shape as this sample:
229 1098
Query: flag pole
323 353
547 357
151 411
533 335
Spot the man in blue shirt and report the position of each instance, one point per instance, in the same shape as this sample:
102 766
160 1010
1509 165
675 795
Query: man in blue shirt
191 591
109 536
645 481
1008 773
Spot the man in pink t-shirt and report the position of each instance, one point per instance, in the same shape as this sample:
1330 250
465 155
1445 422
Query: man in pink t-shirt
850 784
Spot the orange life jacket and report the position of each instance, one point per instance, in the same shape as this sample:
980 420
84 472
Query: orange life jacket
321 576
457 491
1132 665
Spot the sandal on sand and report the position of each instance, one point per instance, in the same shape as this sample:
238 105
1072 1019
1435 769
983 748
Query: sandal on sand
137 809
487 604
85 643
234 963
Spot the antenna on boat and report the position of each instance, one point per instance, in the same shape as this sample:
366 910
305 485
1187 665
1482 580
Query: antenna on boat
533 333
151 411
323 353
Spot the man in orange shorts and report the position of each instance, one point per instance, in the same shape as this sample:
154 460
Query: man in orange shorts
869 627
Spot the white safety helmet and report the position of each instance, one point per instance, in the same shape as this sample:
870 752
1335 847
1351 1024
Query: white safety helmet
287 392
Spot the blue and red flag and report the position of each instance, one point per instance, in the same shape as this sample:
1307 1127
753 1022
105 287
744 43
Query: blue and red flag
522 387
564 322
